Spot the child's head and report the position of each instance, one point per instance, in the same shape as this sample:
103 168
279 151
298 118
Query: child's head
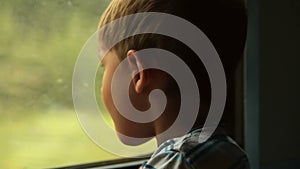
223 21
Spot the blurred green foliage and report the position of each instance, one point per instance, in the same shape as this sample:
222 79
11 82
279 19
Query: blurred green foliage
40 41
39 44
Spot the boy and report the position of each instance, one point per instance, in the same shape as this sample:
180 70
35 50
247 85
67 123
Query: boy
224 22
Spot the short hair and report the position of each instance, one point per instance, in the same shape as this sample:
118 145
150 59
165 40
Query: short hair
224 22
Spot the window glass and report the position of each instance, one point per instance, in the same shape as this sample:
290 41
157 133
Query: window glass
40 41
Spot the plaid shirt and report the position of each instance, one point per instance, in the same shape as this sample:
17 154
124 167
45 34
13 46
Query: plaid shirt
185 152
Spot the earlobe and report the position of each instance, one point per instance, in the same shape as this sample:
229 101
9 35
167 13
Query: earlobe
139 76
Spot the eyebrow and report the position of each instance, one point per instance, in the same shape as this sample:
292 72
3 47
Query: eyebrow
102 62
101 58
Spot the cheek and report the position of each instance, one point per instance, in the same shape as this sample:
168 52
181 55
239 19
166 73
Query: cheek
105 89
106 93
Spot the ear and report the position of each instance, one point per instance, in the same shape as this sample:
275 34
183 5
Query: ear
139 75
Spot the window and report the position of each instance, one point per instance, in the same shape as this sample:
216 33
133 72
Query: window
40 41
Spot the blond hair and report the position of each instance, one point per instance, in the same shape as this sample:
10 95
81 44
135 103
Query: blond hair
121 8
220 20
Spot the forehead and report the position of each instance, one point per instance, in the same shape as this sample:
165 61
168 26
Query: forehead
110 58
101 47
106 54
103 51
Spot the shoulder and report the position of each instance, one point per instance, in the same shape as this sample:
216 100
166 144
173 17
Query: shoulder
186 152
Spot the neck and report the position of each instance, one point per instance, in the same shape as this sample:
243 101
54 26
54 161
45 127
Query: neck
163 124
